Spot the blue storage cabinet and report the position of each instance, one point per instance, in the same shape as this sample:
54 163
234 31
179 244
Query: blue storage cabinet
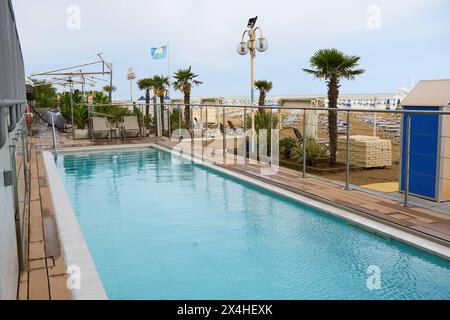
425 145
430 141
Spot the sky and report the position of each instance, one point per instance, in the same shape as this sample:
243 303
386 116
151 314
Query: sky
399 41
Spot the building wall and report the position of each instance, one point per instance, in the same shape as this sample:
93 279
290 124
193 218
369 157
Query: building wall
12 107
9 266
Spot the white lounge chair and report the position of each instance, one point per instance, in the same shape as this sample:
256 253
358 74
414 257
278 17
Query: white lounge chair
100 127
131 127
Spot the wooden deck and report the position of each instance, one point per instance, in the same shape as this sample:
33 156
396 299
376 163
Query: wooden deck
45 275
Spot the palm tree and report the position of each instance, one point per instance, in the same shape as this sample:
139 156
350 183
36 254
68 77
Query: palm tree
333 65
264 87
146 84
109 90
161 85
184 80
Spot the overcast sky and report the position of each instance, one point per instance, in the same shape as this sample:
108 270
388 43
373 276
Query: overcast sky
408 40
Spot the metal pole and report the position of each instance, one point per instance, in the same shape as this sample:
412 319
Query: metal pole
202 128
224 133
131 90
408 157
347 161
143 128
71 107
304 144
252 64
375 117
180 119
245 120
269 146
192 119
280 120
169 124
54 137
111 83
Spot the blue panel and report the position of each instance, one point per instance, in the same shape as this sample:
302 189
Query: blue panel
422 185
424 152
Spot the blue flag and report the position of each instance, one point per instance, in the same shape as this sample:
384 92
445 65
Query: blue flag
159 53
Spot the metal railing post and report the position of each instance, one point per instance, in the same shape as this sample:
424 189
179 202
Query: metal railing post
347 156
169 123
305 144
142 118
224 134
408 158
202 132
245 120
206 122
269 140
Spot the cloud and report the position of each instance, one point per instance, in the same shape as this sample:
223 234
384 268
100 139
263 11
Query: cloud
205 34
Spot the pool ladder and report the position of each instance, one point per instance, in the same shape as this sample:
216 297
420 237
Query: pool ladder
54 138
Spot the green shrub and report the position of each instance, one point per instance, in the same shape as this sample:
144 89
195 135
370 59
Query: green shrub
175 120
80 116
314 152
116 113
286 147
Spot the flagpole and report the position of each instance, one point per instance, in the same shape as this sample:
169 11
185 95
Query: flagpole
168 59
168 63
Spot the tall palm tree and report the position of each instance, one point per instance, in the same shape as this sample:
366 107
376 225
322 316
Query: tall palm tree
161 85
264 87
184 80
333 65
147 85
109 90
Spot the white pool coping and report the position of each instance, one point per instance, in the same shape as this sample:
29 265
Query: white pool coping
73 245
76 251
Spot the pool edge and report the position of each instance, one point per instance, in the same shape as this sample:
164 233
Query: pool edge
74 247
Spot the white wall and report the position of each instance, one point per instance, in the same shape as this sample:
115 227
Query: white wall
9 266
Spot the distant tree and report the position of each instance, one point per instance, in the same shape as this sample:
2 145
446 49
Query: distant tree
333 65
264 87
45 96
161 85
184 80
109 90
147 85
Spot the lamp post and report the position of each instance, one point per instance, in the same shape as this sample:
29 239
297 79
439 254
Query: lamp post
252 45
131 76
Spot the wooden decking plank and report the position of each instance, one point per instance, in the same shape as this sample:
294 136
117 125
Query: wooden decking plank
58 288
38 281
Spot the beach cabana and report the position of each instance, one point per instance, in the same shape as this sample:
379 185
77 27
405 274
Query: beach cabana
429 174
312 117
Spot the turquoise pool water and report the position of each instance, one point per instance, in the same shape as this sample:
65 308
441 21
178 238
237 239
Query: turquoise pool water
159 227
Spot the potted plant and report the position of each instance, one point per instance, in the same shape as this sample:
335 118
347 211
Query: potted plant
81 119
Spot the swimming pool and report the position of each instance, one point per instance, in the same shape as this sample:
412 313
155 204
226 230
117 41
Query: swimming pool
160 227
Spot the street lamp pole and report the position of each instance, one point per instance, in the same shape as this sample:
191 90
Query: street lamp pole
252 64
252 45
131 76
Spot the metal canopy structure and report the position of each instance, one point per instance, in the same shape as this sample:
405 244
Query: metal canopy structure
72 75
